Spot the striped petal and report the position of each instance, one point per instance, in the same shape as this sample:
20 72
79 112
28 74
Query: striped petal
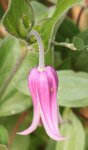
53 83
33 77
48 105
34 124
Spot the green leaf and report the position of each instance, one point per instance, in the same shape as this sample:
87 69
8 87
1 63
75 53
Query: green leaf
73 89
67 33
18 14
81 58
78 43
49 26
81 61
14 102
74 131
9 52
40 11
3 147
84 36
3 135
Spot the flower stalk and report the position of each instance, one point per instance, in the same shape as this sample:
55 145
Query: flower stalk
41 49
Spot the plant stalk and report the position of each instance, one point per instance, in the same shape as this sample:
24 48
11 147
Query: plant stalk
68 45
12 73
41 49
13 134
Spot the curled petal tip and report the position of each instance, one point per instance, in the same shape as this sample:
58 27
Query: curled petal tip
34 124
21 133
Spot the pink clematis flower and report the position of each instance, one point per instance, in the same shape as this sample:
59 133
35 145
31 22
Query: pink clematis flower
43 86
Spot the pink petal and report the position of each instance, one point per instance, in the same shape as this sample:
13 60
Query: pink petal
34 124
51 69
53 81
46 101
32 86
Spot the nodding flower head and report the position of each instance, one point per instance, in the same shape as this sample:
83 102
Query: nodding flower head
43 86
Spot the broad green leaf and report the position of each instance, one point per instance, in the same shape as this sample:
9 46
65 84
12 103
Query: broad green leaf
3 147
9 52
66 35
69 33
81 61
3 135
78 43
73 89
84 35
74 131
40 11
48 27
19 18
17 103
14 102
62 8
81 58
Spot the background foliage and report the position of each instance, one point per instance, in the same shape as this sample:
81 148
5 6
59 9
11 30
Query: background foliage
19 54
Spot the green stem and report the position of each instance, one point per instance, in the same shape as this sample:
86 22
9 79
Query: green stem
12 73
68 45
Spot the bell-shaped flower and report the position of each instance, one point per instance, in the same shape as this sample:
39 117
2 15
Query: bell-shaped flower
43 86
